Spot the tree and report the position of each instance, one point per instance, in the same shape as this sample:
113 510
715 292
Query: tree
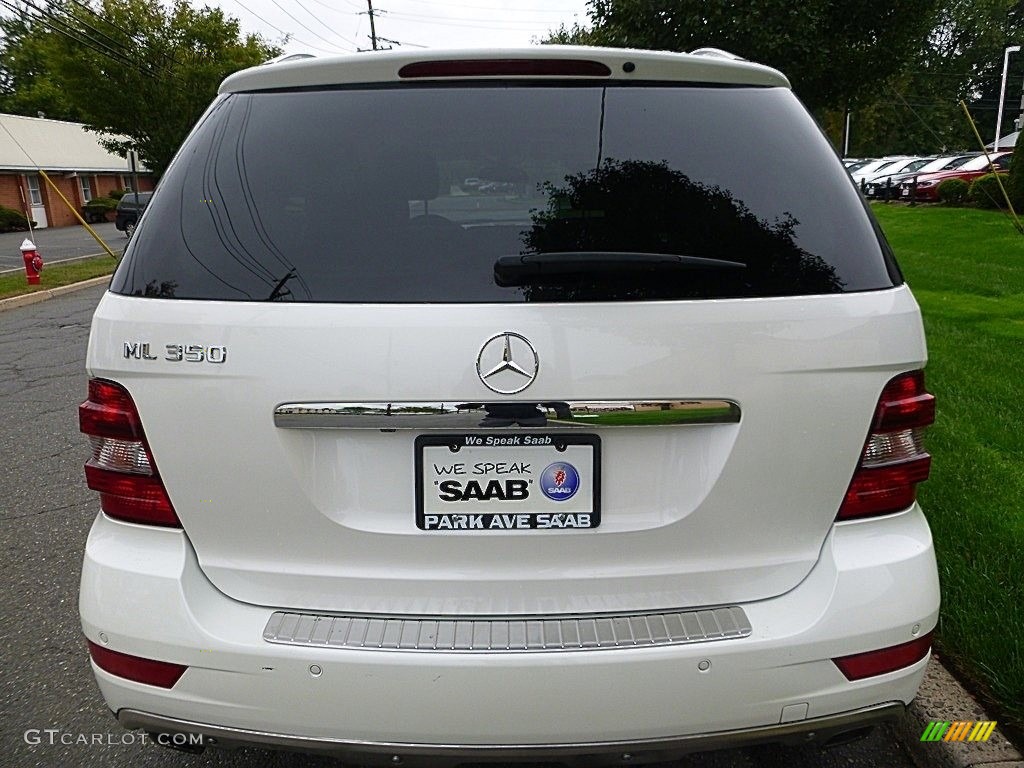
134 68
918 110
833 52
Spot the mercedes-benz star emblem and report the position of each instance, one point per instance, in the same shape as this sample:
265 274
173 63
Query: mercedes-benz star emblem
507 363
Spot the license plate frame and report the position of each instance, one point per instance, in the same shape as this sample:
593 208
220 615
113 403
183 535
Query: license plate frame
546 446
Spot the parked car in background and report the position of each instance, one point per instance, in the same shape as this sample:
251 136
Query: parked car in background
603 475
927 189
129 209
854 164
876 167
882 183
877 188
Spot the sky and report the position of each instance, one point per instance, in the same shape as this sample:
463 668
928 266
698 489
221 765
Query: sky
339 26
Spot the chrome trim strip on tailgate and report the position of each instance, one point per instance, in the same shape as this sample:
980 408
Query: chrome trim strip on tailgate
575 414
507 635
818 730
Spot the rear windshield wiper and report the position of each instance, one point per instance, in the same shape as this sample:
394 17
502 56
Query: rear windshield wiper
538 267
280 291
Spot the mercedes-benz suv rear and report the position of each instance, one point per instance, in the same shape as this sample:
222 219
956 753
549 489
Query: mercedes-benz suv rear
613 450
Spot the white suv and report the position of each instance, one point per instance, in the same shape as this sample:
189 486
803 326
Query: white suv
621 459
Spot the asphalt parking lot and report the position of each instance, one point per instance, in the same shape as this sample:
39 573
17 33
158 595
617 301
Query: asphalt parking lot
59 243
52 713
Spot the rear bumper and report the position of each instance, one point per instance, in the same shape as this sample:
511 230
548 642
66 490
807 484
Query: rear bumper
875 586
823 730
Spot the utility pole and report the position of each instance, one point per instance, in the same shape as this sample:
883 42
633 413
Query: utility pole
373 29
1002 90
846 131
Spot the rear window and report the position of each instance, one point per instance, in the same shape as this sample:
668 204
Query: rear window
414 194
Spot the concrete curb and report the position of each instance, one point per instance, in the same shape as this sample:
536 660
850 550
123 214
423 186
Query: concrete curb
37 296
69 260
942 698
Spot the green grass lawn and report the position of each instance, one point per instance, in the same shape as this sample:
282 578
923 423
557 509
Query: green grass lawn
966 268
15 284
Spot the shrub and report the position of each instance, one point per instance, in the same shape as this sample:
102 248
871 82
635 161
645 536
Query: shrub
985 192
12 220
117 194
96 210
953 191
101 204
1015 181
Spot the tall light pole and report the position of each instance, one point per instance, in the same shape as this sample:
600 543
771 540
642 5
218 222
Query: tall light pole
1002 92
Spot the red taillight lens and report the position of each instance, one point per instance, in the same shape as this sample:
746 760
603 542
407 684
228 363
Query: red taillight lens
109 412
893 461
904 404
872 663
121 467
162 674
505 68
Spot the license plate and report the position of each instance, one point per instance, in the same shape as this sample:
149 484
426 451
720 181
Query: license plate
905 193
500 482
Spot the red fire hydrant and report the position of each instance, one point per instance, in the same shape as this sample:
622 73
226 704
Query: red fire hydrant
33 261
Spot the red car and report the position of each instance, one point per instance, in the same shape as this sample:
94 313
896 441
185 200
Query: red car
928 184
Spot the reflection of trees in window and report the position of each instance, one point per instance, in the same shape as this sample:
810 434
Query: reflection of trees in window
648 207
154 290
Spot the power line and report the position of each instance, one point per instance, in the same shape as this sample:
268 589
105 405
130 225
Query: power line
85 38
467 26
133 45
399 42
288 35
104 19
308 29
336 34
330 7
67 31
420 16
494 8
77 36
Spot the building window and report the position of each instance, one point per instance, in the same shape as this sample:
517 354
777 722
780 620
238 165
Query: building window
35 195
86 184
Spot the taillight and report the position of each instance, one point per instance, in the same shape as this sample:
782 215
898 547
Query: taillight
122 467
894 460
162 674
884 660
505 68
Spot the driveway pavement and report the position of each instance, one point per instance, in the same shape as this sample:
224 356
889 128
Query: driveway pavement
57 243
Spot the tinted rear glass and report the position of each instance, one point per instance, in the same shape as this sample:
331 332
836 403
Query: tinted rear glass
412 193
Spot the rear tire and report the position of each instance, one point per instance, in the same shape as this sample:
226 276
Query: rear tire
128 229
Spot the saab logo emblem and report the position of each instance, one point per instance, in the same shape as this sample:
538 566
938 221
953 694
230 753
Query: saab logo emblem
938 730
559 481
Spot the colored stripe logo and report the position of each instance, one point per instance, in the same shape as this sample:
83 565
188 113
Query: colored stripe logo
960 730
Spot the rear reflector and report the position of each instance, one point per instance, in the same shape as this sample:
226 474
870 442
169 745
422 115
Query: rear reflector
162 674
505 68
121 468
879 662
893 461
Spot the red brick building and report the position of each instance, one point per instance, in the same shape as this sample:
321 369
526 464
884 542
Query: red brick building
73 159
